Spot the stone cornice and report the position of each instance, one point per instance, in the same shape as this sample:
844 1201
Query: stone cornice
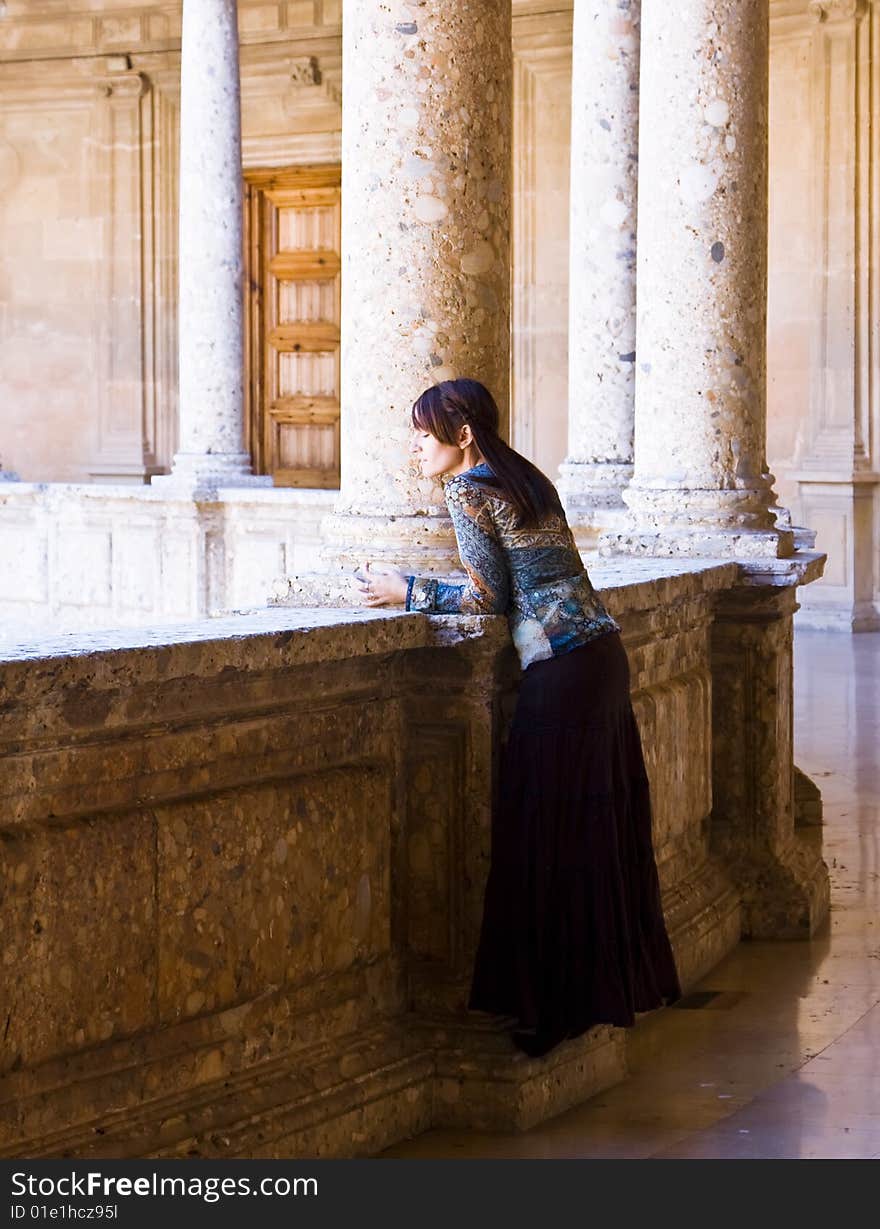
784 11
54 29
837 10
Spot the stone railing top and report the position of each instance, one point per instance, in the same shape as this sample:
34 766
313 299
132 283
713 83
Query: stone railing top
290 635
253 639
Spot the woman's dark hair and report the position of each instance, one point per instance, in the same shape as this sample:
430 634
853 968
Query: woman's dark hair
443 409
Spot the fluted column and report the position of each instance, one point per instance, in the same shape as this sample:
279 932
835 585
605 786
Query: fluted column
700 483
211 449
426 168
602 264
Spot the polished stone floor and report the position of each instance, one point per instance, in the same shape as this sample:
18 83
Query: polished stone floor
784 1060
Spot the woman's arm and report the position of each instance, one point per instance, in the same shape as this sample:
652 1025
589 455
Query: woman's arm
487 590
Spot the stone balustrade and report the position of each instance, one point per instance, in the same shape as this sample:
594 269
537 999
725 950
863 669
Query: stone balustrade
74 557
243 863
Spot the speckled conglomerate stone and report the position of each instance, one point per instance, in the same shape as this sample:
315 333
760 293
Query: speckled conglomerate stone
242 865
426 168
702 277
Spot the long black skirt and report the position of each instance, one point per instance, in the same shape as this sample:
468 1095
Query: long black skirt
573 932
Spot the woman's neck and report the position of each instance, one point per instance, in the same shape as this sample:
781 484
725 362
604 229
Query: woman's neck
471 457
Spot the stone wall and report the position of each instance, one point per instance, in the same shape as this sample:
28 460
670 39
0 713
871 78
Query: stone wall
243 864
89 133
823 415
98 556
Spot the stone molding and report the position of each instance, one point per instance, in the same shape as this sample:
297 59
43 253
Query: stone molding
51 31
837 10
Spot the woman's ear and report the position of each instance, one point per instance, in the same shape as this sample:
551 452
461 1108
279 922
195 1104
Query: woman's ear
465 436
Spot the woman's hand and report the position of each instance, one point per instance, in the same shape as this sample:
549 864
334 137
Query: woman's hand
382 586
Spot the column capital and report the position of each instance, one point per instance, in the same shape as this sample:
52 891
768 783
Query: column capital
124 86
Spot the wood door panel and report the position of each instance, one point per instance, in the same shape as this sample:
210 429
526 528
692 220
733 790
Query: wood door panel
294 263
302 373
304 335
305 266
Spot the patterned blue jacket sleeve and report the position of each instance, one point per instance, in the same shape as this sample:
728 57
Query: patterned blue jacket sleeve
487 590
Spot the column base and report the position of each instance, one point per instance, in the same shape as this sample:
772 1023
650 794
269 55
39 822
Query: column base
202 475
701 521
420 545
807 801
591 494
699 542
785 893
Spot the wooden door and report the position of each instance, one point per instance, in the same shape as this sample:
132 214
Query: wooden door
292 252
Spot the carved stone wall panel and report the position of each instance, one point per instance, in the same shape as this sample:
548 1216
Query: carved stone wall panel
433 838
160 158
277 884
791 254
542 118
100 399
94 27
49 281
117 183
48 1006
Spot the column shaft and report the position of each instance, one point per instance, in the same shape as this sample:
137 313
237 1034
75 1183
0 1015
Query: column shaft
602 262
426 170
701 483
211 447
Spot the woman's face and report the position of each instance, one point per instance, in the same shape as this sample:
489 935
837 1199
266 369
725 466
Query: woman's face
434 457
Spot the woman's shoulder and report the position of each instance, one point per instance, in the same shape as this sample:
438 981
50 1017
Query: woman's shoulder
476 483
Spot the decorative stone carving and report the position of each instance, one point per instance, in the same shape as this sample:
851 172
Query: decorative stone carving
305 71
837 10
125 86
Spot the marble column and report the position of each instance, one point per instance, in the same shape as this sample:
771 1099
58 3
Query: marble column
700 484
211 449
602 263
426 183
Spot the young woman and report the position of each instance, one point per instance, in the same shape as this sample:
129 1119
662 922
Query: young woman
573 932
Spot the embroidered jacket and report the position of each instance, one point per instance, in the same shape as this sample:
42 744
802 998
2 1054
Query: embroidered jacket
534 576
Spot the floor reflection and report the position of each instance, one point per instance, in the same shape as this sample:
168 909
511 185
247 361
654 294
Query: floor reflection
784 1061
